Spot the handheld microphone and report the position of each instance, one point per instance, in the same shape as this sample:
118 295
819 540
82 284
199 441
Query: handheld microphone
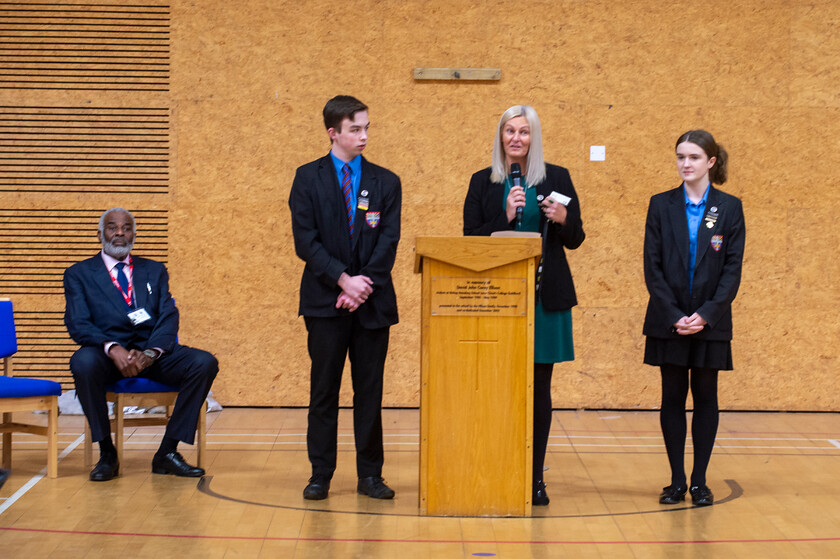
516 175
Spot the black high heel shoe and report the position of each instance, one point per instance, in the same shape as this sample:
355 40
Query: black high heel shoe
540 497
672 495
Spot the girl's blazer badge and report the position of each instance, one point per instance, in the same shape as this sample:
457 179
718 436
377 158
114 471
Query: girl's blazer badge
717 242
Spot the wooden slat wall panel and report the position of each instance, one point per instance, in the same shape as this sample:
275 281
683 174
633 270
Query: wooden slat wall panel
36 246
64 46
44 348
89 133
70 149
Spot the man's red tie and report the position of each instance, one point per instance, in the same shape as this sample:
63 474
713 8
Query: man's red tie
346 186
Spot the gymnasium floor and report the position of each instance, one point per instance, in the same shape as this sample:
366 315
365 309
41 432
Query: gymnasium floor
776 478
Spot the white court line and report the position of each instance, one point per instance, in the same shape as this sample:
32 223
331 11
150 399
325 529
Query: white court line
143 439
38 477
139 439
22 491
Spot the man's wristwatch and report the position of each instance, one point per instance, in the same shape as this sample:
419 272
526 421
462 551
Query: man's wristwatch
151 354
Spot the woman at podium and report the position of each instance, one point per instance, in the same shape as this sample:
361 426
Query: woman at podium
694 246
521 192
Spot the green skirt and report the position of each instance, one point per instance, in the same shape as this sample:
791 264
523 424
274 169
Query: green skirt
553 341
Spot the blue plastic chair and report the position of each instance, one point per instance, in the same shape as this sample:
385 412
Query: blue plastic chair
25 394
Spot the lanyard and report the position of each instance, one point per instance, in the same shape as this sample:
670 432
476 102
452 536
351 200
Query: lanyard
127 297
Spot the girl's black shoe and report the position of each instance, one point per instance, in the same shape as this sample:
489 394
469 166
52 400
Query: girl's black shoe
701 495
672 495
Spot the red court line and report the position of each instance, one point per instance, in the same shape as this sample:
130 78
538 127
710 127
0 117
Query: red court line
384 540
562 433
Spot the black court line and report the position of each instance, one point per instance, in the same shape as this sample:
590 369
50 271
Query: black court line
735 492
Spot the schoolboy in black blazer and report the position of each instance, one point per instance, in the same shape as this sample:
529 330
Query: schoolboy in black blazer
346 231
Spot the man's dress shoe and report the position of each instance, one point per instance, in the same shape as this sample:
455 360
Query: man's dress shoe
4 475
173 463
375 488
317 489
701 495
106 469
672 495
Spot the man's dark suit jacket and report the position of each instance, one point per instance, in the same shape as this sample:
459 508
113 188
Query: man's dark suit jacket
717 270
319 226
484 213
96 312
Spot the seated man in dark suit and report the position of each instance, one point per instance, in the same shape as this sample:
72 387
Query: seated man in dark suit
120 311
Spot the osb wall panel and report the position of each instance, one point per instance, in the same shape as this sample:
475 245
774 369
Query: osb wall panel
249 80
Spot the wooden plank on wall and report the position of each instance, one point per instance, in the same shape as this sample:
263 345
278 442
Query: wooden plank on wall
465 74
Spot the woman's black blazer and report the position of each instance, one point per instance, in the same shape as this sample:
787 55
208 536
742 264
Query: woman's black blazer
717 270
484 213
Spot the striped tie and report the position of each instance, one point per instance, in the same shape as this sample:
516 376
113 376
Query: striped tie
122 280
346 185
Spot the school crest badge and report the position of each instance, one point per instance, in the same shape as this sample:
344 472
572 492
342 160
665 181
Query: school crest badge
717 242
372 219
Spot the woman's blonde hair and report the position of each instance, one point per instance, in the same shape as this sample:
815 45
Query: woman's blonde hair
535 168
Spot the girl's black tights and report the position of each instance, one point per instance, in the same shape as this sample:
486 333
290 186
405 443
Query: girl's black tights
704 421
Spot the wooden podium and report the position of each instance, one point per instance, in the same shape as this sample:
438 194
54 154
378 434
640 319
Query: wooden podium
477 359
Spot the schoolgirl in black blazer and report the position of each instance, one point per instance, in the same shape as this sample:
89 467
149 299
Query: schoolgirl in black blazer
693 251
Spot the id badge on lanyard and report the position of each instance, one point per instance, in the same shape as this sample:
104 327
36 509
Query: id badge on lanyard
139 316
136 316
127 297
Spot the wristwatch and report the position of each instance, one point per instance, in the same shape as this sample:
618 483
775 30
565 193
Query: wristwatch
151 354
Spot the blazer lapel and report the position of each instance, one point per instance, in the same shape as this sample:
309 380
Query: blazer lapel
102 278
368 183
140 279
333 199
679 224
704 237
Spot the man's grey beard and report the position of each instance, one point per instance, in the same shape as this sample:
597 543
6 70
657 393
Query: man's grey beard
117 252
